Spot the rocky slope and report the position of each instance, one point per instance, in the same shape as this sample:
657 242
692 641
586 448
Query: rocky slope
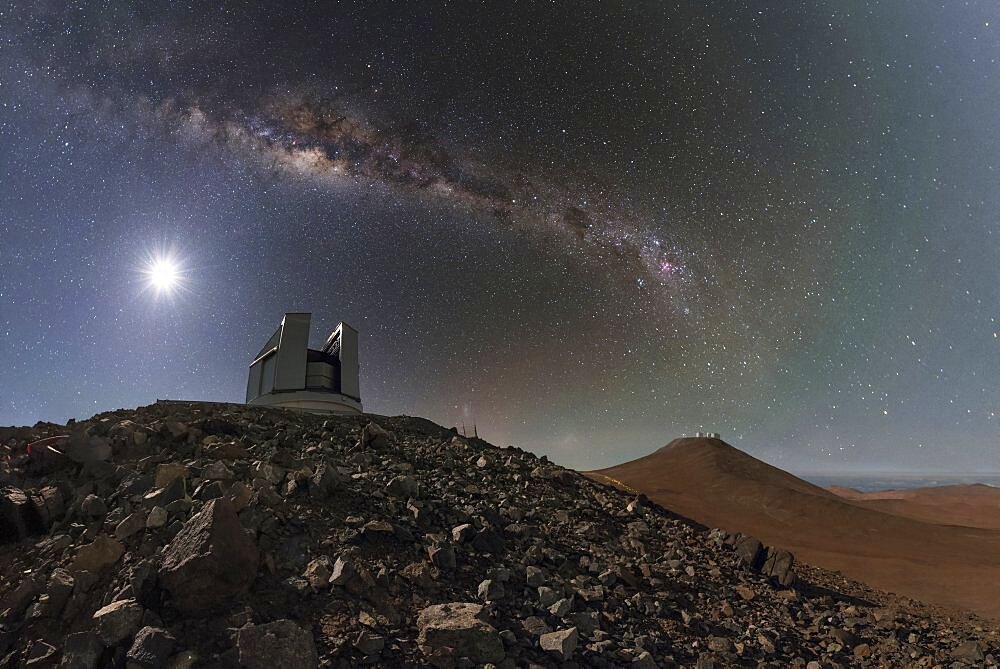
188 535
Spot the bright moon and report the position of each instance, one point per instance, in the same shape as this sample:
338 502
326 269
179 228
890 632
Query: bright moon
163 274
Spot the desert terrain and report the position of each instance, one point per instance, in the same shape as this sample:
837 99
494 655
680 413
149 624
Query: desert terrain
973 505
940 545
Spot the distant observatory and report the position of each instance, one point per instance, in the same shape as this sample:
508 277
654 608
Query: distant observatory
287 373
707 435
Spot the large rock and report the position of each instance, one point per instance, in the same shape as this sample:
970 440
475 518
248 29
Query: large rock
158 517
778 567
751 551
129 439
57 593
18 518
168 471
324 481
217 471
560 643
134 522
93 506
118 621
40 654
970 651
489 541
99 555
18 599
442 557
318 572
151 649
174 490
83 447
450 632
278 645
211 559
490 590
48 504
374 436
402 487
81 650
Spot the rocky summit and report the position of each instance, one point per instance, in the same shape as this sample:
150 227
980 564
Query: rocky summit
211 535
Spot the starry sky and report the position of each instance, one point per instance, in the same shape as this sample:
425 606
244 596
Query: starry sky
586 227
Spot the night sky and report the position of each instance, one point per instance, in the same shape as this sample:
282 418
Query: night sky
586 227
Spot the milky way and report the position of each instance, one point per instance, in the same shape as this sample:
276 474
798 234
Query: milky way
319 140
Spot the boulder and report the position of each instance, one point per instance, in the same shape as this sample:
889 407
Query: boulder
450 632
18 518
463 533
217 471
324 481
150 649
168 471
970 652
211 559
560 643
442 557
40 654
489 541
226 450
48 505
402 487
343 572
83 447
134 522
374 436
751 551
490 590
157 517
18 599
57 593
318 572
98 555
778 567
118 621
174 490
535 626
81 650
93 506
368 643
277 645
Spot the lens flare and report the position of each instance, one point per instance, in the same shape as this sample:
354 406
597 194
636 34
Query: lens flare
164 274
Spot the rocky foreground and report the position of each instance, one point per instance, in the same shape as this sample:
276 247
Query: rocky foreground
190 535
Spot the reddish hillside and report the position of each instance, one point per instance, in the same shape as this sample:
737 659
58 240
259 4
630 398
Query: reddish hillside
720 486
973 505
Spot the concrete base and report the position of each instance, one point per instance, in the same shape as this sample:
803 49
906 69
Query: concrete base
309 400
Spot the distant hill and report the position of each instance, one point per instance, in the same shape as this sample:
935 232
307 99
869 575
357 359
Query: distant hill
970 505
890 543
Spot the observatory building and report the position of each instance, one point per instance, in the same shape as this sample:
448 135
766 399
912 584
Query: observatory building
287 373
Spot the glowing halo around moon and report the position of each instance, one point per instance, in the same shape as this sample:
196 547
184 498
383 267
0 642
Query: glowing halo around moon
163 274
